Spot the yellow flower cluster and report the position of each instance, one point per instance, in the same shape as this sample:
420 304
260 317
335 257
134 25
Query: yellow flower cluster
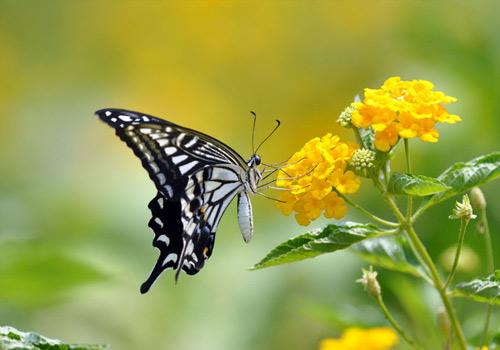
380 338
310 176
405 109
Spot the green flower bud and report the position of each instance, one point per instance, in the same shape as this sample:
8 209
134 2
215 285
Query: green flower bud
345 117
363 159
477 198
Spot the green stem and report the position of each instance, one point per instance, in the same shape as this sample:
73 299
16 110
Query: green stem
367 213
409 208
491 269
484 336
393 322
357 134
419 212
489 246
425 258
461 238
438 283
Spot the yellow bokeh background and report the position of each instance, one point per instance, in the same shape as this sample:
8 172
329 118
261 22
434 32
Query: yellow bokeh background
74 245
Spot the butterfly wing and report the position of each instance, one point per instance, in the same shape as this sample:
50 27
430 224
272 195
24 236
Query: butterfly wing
196 177
170 153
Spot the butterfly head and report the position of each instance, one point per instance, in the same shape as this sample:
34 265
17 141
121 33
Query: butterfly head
253 173
254 161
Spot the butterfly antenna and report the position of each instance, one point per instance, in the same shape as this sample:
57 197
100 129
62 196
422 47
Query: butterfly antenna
253 130
278 123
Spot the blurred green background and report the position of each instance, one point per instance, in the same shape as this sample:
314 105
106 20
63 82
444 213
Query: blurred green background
74 245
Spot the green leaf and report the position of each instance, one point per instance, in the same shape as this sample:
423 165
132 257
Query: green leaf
13 339
389 253
367 137
484 290
415 185
461 177
37 274
308 245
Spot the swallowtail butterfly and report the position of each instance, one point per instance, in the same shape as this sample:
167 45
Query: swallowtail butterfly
196 177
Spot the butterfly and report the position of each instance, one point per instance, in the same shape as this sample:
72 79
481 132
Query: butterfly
196 178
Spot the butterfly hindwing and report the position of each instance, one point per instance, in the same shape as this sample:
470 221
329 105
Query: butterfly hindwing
185 227
167 226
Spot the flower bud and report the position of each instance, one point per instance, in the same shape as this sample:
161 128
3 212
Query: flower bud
369 281
345 117
477 198
363 159
463 210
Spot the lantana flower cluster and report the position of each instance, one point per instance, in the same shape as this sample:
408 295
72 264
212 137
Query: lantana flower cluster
312 176
406 109
321 170
379 338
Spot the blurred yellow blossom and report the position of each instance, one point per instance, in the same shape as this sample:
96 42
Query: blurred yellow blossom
405 109
311 175
380 338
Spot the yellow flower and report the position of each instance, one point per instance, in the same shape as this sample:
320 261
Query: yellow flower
406 109
313 175
380 338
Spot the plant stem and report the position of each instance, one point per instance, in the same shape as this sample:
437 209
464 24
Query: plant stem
357 134
419 212
367 213
489 246
491 269
424 257
484 336
393 322
422 254
438 283
409 208
461 237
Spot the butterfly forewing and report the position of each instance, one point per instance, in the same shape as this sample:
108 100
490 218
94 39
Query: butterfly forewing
196 177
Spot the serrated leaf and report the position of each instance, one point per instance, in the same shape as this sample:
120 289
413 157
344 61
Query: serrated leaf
483 290
13 339
388 253
415 185
461 177
308 245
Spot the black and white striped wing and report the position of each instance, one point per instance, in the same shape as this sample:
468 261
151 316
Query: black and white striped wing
169 152
196 177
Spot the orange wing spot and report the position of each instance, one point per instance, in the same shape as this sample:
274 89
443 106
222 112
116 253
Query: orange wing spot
205 251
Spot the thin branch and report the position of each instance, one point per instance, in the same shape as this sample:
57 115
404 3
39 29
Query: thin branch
393 321
367 213
461 237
